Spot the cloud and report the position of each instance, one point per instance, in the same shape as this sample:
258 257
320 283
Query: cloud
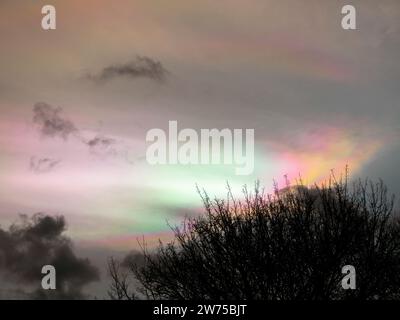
140 67
50 121
125 268
37 241
51 124
43 165
106 147
134 258
102 145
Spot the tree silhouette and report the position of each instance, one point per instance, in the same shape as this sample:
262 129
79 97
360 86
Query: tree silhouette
291 245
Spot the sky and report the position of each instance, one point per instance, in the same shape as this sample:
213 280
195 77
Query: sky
76 104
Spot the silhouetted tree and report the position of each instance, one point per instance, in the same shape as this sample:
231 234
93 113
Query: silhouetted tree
119 288
291 245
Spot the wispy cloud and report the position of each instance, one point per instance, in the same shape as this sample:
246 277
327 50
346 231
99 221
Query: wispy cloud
43 165
102 145
50 121
140 67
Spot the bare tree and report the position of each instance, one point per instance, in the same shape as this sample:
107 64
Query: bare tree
120 285
290 245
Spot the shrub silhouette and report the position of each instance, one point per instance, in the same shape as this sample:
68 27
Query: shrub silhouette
291 245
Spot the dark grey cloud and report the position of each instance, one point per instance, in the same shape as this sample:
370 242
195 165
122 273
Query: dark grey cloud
133 258
43 165
124 269
50 121
140 67
37 241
